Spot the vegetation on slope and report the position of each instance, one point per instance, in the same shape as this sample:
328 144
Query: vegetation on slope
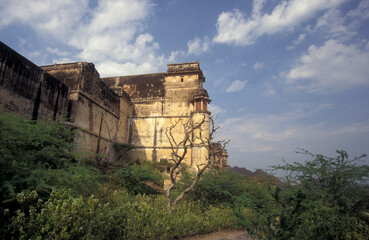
48 192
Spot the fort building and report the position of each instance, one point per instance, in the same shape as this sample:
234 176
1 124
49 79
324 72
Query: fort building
137 109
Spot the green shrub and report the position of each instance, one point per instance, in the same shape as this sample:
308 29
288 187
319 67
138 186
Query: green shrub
30 153
139 179
124 217
215 187
325 199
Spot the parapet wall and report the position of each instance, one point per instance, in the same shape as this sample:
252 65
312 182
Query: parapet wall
28 90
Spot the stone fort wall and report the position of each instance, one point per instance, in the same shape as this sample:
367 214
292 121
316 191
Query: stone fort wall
136 109
28 90
100 113
73 90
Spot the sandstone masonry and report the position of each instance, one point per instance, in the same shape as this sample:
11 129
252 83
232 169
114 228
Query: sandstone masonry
133 109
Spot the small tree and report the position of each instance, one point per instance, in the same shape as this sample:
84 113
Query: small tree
328 195
179 150
340 177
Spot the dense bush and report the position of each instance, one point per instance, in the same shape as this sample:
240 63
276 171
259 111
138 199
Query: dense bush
139 178
325 199
218 187
32 155
251 201
27 149
36 157
124 217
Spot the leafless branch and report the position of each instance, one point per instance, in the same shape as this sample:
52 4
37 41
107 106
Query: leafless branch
194 132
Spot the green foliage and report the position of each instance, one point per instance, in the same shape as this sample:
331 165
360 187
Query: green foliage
324 200
121 150
31 153
251 201
340 178
327 198
139 179
38 162
26 147
124 217
215 187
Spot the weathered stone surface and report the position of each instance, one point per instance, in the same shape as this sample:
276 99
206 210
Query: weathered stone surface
159 101
98 111
136 109
27 90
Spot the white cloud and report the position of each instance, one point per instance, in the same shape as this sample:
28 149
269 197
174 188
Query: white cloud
258 65
297 41
45 16
111 34
198 46
62 60
235 28
175 54
236 86
112 68
57 51
332 24
333 66
277 135
216 110
113 38
360 13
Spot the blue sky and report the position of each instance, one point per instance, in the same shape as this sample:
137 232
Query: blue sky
281 74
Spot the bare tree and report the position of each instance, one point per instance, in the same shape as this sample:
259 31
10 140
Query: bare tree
194 132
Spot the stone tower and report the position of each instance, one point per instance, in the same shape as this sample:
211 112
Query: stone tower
201 118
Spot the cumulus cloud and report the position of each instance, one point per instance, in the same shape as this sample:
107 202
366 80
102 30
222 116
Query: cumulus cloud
114 39
45 16
197 46
234 27
333 66
110 34
236 86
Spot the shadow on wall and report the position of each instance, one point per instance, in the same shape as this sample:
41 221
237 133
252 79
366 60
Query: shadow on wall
28 90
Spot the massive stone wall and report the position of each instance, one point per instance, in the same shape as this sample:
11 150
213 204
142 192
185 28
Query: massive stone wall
159 101
28 90
73 89
100 114
136 109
